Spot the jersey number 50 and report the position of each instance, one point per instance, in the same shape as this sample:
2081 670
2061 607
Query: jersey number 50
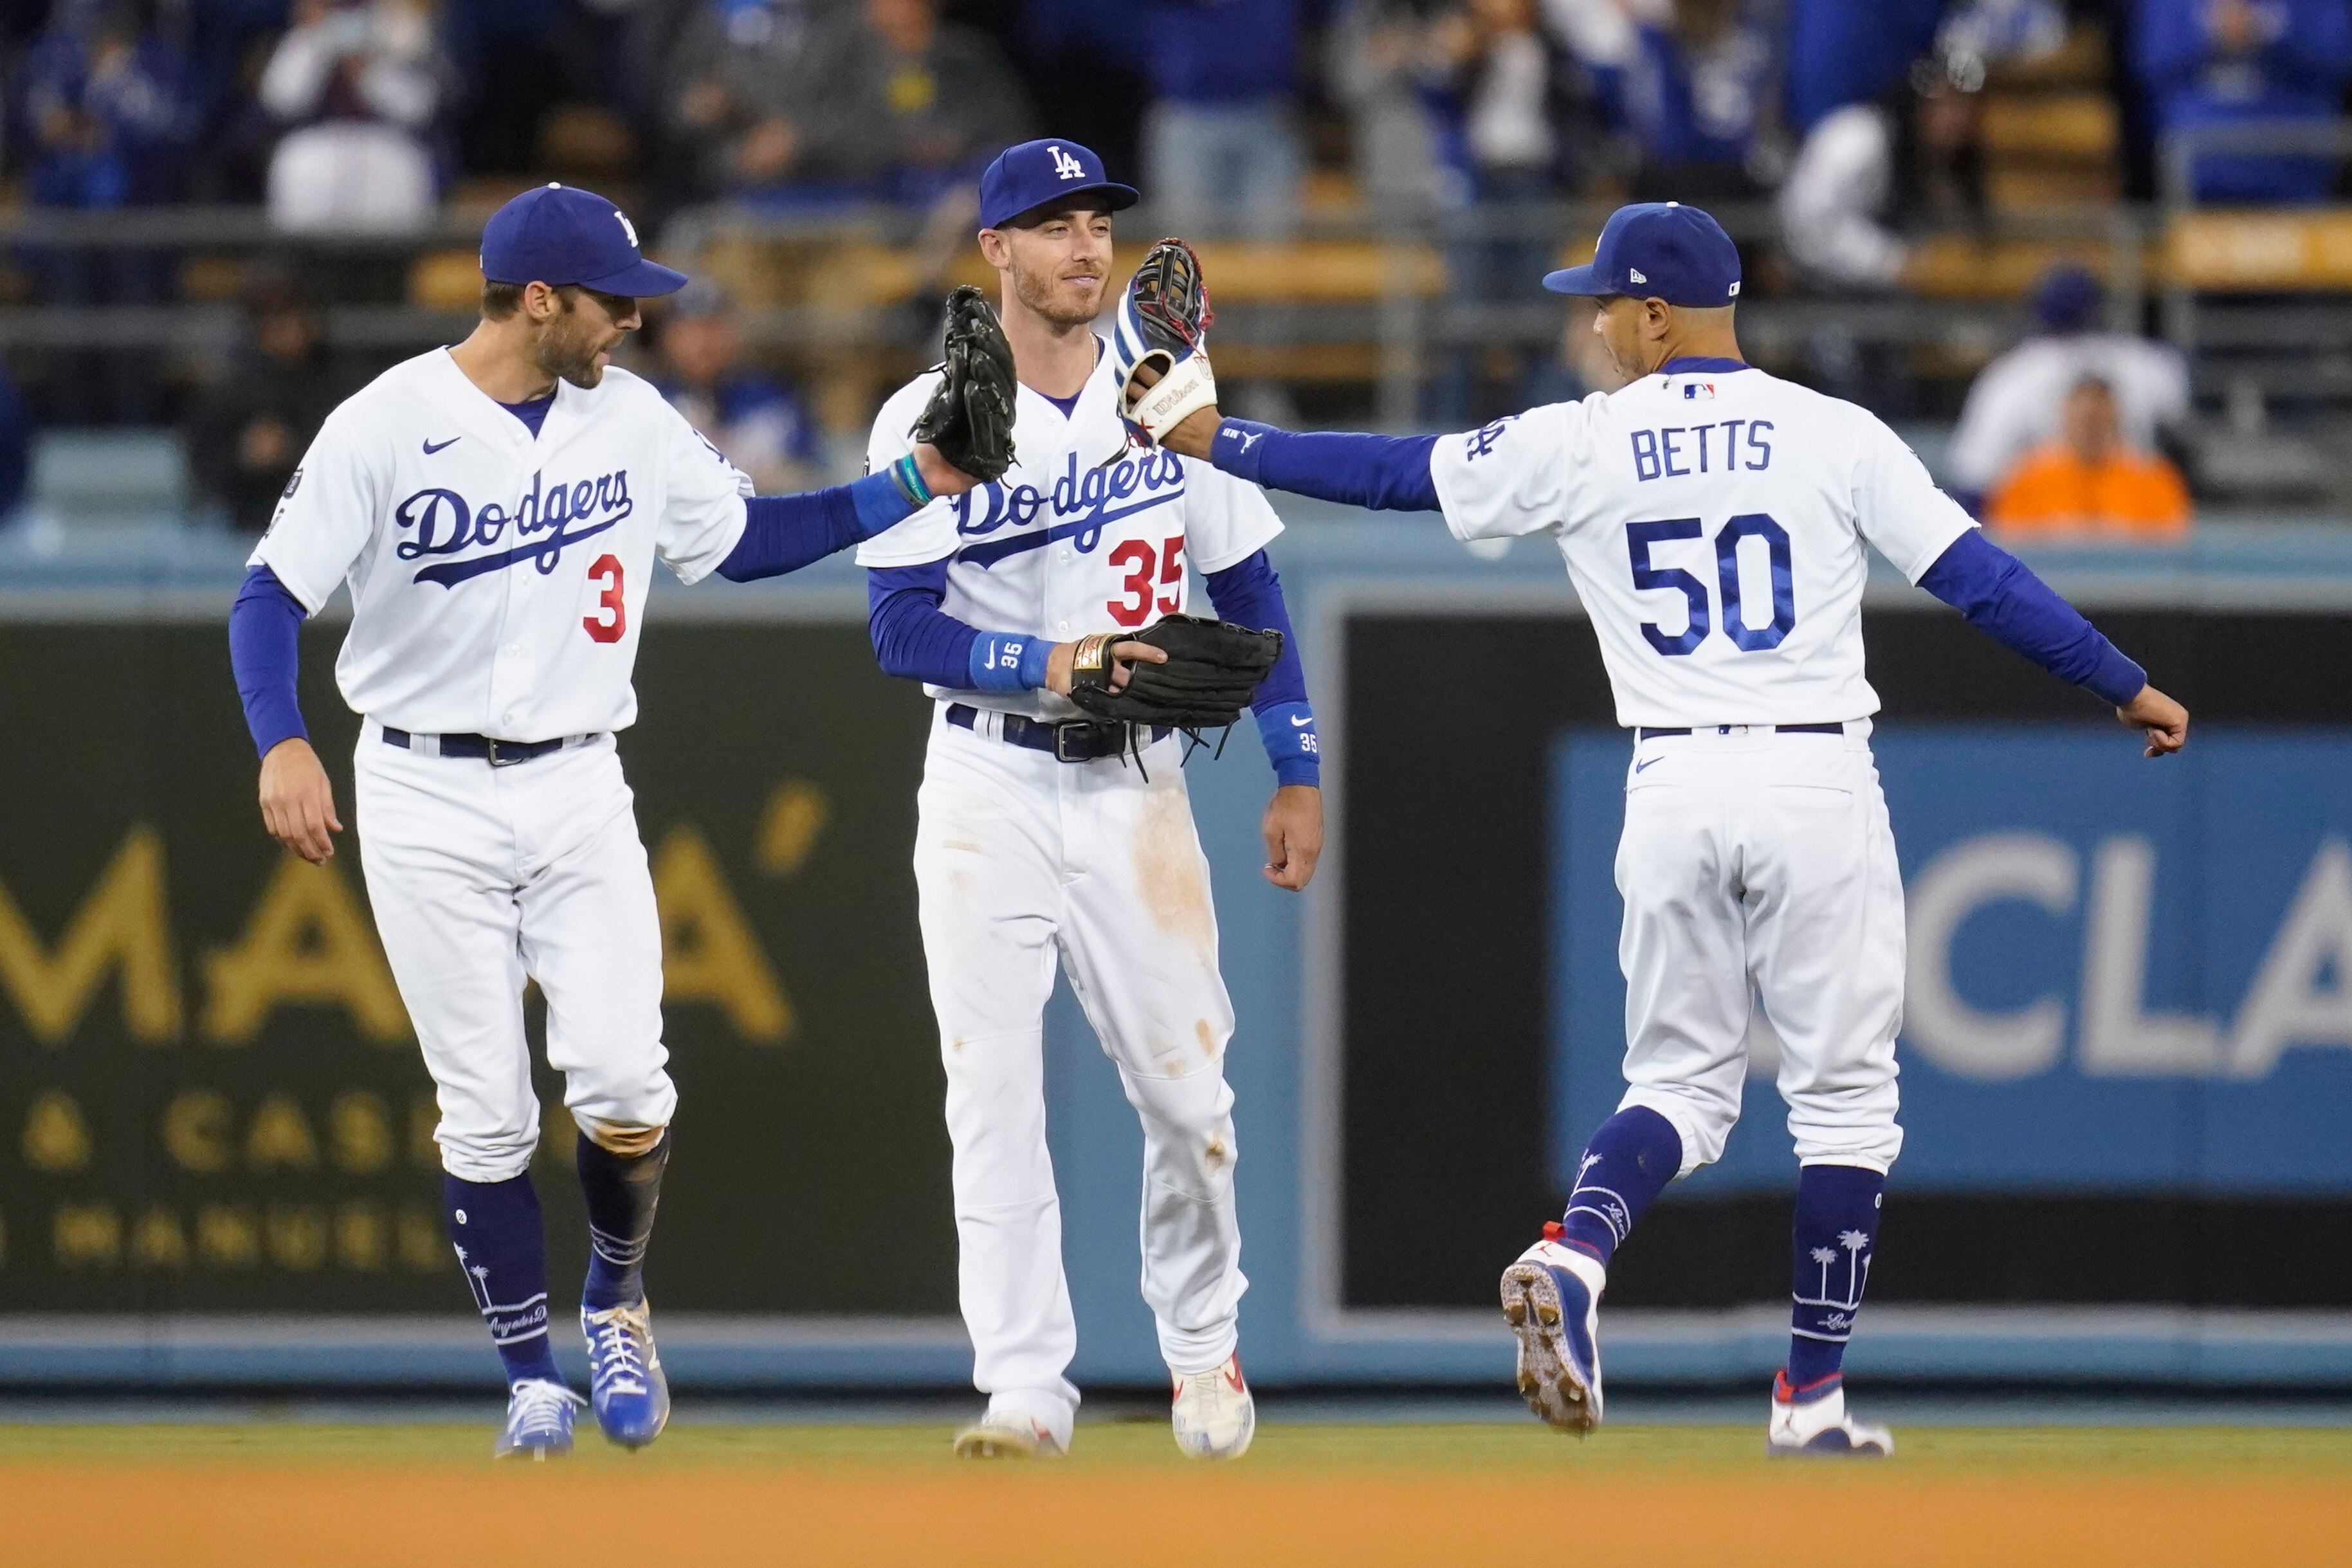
1641 536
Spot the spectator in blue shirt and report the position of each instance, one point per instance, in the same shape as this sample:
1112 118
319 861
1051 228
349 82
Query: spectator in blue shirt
755 420
1692 94
1221 142
1842 52
101 104
2227 62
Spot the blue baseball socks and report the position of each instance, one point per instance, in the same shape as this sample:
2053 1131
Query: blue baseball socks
1830 1246
495 1226
622 1191
1628 1163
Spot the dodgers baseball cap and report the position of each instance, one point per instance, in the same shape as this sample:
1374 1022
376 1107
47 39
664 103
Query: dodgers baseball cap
560 234
1028 177
1658 251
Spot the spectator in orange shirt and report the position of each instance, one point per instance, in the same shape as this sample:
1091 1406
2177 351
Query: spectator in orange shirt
2088 482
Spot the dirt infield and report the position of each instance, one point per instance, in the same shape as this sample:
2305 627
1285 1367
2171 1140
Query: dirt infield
356 1497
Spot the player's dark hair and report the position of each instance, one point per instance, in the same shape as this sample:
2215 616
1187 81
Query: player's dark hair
500 300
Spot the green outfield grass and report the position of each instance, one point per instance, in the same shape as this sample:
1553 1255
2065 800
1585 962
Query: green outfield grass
1435 1450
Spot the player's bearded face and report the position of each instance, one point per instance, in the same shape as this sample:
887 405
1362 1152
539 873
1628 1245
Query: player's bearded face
578 341
1061 266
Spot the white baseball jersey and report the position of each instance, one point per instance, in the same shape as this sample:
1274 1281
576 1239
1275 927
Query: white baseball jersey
1712 523
499 579
1083 534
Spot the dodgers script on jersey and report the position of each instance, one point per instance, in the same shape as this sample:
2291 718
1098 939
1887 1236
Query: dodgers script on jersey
1085 533
1712 523
498 579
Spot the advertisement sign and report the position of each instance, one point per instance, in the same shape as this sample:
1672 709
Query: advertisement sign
211 1099
2122 975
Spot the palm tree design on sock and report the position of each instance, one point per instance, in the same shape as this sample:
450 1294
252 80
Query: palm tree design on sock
1857 1268
1826 1256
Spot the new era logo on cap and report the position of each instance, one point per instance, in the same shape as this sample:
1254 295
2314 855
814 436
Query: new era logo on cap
1664 249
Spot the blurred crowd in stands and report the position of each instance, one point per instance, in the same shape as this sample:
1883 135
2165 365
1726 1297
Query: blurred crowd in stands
1858 122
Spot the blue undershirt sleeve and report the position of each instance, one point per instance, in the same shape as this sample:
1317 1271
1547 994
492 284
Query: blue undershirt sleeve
917 640
1250 595
265 649
784 533
1997 594
1386 473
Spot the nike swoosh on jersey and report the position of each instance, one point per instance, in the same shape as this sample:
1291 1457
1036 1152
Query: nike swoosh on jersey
1298 723
432 447
1651 763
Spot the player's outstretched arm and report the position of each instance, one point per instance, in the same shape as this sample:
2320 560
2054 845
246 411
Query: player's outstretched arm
298 803
1169 393
1997 594
784 533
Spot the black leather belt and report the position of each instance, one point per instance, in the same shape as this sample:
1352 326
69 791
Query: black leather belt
1647 734
1078 741
482 748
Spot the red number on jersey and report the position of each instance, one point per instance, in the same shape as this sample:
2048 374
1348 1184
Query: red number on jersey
1137 559
612 616
1171 576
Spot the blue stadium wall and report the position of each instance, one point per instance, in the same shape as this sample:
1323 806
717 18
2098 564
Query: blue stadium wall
2128 1058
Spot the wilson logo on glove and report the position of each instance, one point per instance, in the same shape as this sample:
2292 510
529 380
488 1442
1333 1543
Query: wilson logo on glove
1164 319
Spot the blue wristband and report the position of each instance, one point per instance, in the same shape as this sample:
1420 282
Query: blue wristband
1005 661
1289 730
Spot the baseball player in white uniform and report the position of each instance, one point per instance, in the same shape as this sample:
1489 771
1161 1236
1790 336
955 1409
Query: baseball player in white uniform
1044 836
1715 522
497 508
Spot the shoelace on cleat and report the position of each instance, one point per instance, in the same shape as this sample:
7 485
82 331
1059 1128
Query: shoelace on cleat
612 1339
536 1405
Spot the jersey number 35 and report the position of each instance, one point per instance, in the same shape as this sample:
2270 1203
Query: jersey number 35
1640 537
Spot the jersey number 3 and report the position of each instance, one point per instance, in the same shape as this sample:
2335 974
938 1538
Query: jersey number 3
1641 536
611 617
1137 559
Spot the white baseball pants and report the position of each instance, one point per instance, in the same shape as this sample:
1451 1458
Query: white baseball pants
1757 869
1020 861
483 876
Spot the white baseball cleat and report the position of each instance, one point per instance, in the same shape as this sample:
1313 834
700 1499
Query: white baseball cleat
1009 1435
1817 1423
1551 1298
1212 1413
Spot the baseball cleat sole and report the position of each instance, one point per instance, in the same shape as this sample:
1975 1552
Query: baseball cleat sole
996 1440
1547 1378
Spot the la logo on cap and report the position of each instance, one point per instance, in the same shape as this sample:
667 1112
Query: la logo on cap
628 227
1065 165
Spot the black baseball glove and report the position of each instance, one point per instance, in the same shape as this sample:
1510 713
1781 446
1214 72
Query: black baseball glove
1212 671
970 415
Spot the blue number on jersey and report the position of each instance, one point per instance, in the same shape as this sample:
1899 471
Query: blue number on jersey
1755 524
1641 536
